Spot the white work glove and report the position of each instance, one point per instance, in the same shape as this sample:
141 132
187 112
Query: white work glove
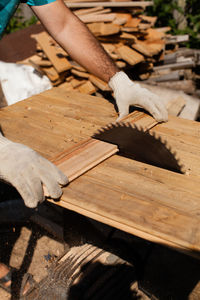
127 93
28 171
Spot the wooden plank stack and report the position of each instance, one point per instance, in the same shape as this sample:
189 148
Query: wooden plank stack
127 37
131 40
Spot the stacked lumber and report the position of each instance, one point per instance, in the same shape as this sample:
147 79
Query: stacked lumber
128 37
178 71
131 40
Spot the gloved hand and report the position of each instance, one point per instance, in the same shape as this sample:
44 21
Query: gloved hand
27 171
127 93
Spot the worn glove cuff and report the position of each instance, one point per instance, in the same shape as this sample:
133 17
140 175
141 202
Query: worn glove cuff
119 80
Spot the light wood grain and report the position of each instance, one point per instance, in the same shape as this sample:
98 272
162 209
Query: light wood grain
83 157
152 203
61 64
129 55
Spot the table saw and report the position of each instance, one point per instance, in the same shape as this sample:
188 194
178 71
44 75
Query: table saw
147 201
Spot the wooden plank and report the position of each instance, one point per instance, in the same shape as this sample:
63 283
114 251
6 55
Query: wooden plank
129 55
134 22
82 11
148 19
61 64
99 83
84 156
128 36
91 18
87 88
140 216
103 29
109 4
148 49
175 106
152 203
51 73
80 74
153 35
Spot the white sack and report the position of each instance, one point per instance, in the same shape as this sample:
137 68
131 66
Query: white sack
21 81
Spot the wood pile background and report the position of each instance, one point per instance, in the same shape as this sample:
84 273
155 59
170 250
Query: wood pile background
131 39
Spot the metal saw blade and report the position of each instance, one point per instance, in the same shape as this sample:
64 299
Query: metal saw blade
133 142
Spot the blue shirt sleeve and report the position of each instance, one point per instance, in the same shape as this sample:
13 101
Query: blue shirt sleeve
39 2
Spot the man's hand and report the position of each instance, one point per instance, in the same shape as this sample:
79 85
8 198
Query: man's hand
127 93
27 171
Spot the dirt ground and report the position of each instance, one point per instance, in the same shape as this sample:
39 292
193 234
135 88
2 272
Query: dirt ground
163 274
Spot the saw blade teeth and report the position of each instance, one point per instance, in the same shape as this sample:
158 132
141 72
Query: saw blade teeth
116 133
115 125
137 127
110 126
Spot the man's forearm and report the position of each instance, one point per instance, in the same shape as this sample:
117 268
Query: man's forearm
76 39
84 48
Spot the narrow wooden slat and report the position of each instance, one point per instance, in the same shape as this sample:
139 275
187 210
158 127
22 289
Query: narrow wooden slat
109 4
86 11
104 29
87 88
129 55
83 157
175 106
61 64
99 83
148 49
97 18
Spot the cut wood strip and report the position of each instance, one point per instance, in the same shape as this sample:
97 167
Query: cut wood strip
175 106
103 11
101 29
126 16
61 64
134 22
99 83
87 88
97 18
120 64
163 29
153 35
129 55
110 49
67 86
148 19
80 74
83 157
122 18
110 4
148 49
51 73
82 11
128 36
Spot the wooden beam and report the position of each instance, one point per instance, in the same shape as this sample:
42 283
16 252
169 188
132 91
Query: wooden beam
109 4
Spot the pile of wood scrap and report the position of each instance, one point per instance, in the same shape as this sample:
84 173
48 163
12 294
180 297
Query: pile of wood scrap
131 39
179 71
128 37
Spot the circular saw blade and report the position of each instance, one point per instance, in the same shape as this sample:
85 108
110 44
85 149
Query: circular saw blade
143 146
